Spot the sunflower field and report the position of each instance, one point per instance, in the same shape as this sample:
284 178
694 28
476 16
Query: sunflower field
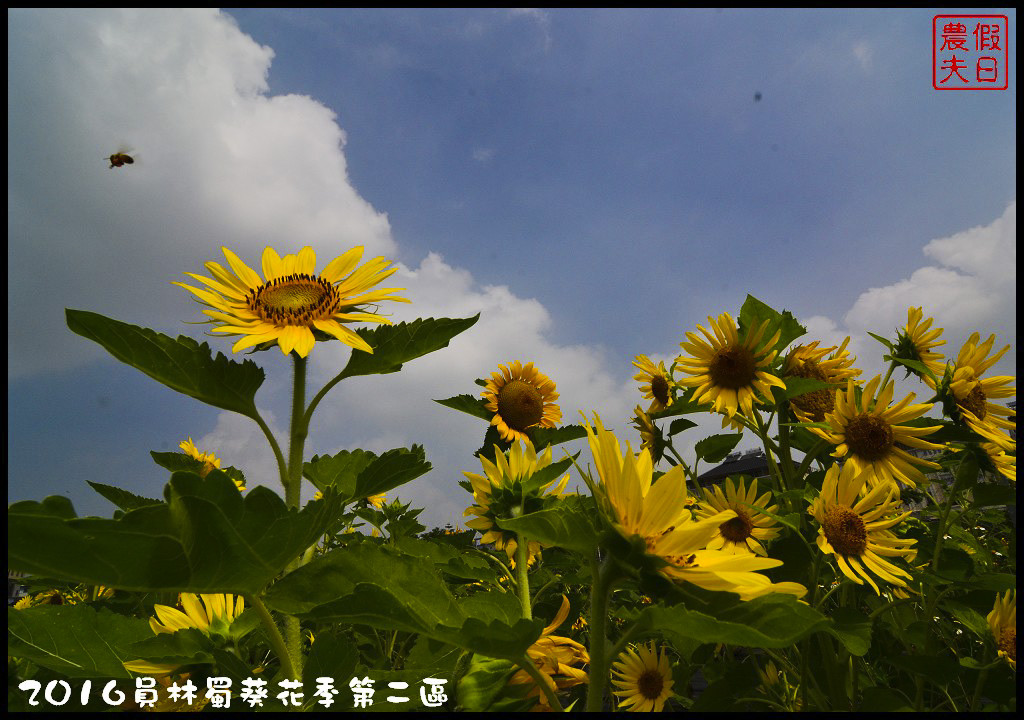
871 566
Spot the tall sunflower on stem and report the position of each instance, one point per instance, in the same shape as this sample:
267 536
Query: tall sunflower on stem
521 397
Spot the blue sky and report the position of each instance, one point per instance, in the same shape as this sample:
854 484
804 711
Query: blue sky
595 182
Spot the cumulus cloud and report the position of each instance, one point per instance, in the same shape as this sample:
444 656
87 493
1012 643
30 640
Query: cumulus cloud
972 286
220 162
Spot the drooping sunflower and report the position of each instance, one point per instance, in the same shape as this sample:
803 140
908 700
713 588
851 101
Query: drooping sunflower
658 513
916 341
859 531
650 437
210 614
210 461
1004 463
655 383
745 532
294 301
644 678
500 489
808 361
559 659
973 393
1003 623
521 397
866 434
729 372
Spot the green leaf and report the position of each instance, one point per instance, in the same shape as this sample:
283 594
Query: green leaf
770 621
394 345
679 425
988 495
852 629
378 586
569 525
358 474
970 618
183 364
185 647
883 699
75 640
122 498
884 341
796 386
754 312
331 655
206 538
486 684
475 406
714 448
542 437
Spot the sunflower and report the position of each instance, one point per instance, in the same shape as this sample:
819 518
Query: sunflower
859 531
293 301
500 490
210 461
729 372
808 361
650 436
973 393
1003 623
210 614
643 677
1004 463
655 383
377 501
658 513
917 340
867 434
558 658
521 397
743 533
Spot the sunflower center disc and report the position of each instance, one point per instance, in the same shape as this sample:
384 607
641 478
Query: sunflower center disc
975 402
869 437
732 368
1008 642
659 389
650 684
520 405
845 531
738 529
294 299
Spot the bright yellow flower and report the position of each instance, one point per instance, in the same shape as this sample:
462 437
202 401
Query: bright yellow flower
917 340
209 460
808 361
643 677
658 513
521 397
859 531
1003 623
973 393
1004 463
650 436
729 372
559 659
656 384
867 434
499 490
745 532
377 501
293 301
210 614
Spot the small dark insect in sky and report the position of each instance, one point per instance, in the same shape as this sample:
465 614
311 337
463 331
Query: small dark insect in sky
757 97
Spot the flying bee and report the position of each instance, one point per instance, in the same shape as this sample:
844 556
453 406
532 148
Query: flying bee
120 159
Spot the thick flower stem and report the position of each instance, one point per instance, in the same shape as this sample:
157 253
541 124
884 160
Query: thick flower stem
599 661
542 682
522 575
274 635
293 488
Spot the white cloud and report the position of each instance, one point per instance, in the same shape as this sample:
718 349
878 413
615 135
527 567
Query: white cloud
972 286
540 18
863 53
483 154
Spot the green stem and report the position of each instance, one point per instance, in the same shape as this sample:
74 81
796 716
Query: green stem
978 687
297 434
526 664
274 634
941 531
522 572
282 467
601 591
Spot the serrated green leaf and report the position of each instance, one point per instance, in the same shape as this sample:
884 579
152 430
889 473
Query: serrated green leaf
206 538
396 344
679 425
714 448
378 586
567 525
182 365
770 621
469 404
357 474
122 498
75 640
542 437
